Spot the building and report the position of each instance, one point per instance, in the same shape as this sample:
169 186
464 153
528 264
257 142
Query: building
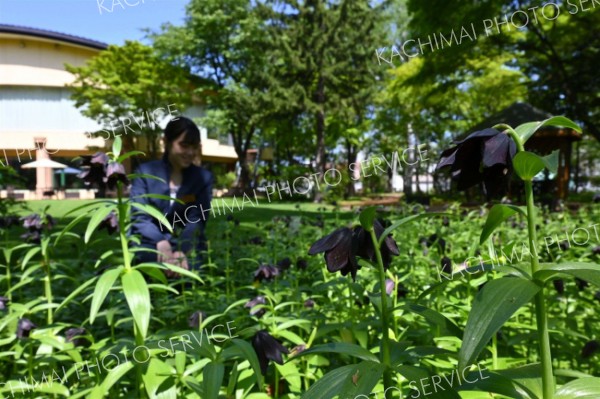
38 119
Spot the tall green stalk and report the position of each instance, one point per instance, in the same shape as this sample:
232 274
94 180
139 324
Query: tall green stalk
385 340
540 304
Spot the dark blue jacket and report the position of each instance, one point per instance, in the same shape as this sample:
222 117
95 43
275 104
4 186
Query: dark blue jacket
187 220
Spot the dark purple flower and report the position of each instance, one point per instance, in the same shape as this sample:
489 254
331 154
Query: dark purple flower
446 221
267 348
35 223
340 254
389 286
343 246
596 250
265 272
596 198
485 156
401 291
24 327
75 335
559 286
110 223
256 241
255 309
581 284
196 318
446 264
3 302
590 348
309 303
435 240
94 168
597 296
301 263
7 221
284 263
115 172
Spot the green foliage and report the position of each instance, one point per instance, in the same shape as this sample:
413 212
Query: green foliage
130 82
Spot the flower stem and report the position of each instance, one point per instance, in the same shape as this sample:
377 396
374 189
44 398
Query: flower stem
385 341
541 315
540 305
122 210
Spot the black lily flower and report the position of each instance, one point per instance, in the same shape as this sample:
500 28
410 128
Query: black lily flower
24 327
110 223
74 335
365 249
3 302
94 169
7 221
446 264
435 240
35 223
309 303
115 172
267 348
596 198
253 303
596 250
301 264
343 246
559 286
401 291
590 348
256 241
265 272
196 318
340 255
284 263
485 156
581 284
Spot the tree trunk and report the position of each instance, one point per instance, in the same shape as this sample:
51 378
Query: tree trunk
320 126
351 151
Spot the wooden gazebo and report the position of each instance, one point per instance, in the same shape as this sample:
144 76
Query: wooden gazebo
543 142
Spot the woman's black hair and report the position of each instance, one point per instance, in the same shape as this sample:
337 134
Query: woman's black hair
181 125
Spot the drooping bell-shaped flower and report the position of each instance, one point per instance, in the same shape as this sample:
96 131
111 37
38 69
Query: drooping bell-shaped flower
483 156
267 348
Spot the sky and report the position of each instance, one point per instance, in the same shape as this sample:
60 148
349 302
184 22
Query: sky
101 20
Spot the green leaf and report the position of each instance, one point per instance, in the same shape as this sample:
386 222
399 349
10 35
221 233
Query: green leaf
493 306
249 354
582 388
156 374
73 294
347 381
343 348
129 155
105 283
138 298
551 161
97 216
367 218
498 214
586 271
152 211
526 130
527 165
117 145
490 382
212 378
111 379
432 316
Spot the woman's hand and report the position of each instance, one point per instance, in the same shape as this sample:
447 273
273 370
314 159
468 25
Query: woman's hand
165 252
178 258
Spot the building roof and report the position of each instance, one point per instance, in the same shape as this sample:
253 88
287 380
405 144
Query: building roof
519 113
51 35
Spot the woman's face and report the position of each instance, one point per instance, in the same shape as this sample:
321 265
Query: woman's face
181 154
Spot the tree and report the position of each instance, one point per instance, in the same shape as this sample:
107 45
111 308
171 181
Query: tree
557 48
125 87
223 43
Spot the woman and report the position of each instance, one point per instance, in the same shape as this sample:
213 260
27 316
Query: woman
184 181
